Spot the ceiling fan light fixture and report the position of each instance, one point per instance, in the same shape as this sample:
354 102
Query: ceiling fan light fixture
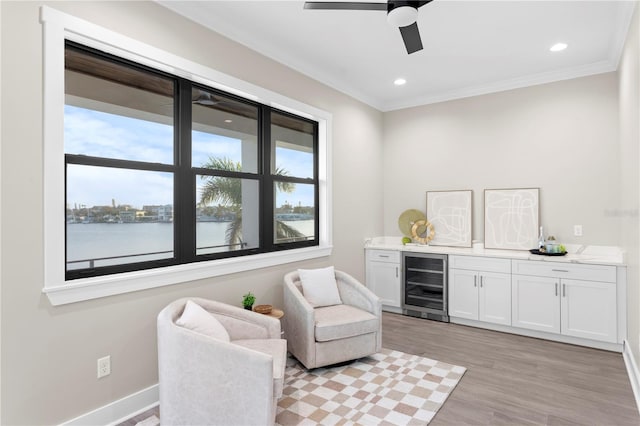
402 16
204 99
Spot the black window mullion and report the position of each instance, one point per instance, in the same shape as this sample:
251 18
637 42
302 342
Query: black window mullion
223 173
184 207
267 202
293 179
86 160
316 178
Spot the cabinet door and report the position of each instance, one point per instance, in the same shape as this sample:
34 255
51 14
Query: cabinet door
495 298
383 279
536 303
589 310
463 294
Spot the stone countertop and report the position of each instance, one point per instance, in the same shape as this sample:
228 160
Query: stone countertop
595 255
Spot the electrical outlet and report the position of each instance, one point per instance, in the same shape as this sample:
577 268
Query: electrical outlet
577 230
104 366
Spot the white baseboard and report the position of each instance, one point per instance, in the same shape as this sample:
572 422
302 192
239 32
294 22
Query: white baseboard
120 410
632 371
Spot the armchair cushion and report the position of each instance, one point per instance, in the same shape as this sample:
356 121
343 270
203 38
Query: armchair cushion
196 318
319 286
277 348
343 321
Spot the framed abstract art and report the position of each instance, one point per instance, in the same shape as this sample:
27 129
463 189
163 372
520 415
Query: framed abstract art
450 214
511 218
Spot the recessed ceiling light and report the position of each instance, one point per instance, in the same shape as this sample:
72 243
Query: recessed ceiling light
228 121
558 47
400 81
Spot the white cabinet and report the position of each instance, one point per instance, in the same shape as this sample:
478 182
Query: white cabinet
495 298
536 303
480 289
463 294
557 299
383 276
588 309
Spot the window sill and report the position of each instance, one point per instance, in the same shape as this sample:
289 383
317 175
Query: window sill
96 287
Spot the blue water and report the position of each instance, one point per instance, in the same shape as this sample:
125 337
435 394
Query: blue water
87 241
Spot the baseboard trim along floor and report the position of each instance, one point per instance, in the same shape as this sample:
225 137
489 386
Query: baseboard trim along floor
632 370
120 410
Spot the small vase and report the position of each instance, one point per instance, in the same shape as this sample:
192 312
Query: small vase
249 308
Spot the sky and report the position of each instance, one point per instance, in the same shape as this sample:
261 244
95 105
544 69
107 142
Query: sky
99 134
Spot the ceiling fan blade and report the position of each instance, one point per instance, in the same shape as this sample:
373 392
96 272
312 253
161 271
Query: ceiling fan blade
411 37
422 3
334 5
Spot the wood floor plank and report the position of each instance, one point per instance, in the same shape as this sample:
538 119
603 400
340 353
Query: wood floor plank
518 380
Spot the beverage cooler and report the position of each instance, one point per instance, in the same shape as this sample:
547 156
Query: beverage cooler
424 285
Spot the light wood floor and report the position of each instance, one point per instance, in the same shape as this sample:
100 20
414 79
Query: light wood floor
516 380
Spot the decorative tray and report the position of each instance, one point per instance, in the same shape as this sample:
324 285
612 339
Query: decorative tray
543 253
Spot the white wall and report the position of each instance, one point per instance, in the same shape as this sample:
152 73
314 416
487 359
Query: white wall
629 88
561 137
49 353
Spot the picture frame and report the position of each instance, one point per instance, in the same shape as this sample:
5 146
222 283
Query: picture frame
511 218
450 213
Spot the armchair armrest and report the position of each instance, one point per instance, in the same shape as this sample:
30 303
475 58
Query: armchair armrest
298 321
354 293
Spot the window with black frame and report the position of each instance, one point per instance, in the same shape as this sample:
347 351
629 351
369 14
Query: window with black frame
163 171
293 171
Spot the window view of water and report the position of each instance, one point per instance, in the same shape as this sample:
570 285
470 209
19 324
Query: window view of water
131 242
121 174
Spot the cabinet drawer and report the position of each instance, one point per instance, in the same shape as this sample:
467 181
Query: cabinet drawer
384 256
565 270
476 263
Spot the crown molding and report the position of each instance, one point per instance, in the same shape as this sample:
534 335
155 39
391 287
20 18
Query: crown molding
504 85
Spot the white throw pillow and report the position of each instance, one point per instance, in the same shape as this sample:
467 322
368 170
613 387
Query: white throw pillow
319 286
196 318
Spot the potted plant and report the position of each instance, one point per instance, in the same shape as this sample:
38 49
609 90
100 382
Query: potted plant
248 300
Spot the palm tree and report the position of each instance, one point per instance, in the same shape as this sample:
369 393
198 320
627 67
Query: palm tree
228 191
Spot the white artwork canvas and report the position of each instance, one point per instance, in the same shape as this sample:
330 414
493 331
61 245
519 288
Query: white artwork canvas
511 218
450 214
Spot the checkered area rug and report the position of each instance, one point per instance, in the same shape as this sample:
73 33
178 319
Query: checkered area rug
388 388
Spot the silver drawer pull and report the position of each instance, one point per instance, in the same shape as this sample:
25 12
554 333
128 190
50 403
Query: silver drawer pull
383 255
556 289
559 270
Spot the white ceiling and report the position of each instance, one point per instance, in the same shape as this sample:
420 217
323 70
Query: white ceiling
470 47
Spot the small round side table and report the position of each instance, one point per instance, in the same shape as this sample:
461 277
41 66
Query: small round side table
276 313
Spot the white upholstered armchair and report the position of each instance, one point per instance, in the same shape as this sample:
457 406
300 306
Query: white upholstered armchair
320 336
212 375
